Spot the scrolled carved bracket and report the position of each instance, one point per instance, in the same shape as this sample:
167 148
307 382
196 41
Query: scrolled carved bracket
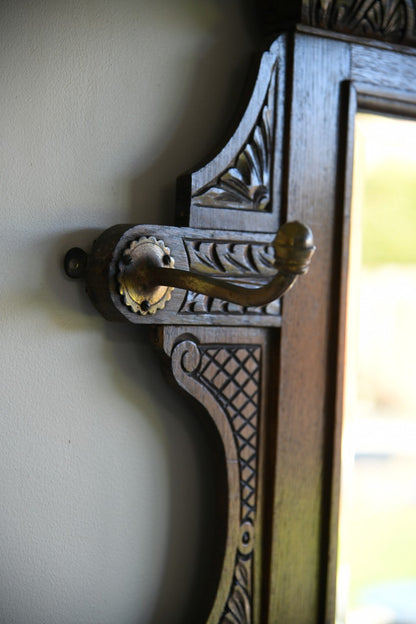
228 377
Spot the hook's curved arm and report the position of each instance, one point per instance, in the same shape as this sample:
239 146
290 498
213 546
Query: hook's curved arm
293 247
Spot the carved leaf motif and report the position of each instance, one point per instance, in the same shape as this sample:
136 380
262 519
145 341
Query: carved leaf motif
251 263
238 608
388 19
236 259
245 185
194 303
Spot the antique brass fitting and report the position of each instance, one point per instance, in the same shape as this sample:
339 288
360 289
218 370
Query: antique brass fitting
144 276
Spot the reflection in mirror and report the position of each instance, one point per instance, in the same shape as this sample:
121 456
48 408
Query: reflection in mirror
377 545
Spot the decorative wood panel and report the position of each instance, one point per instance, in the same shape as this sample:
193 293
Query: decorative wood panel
245 176
246 183
246 263
388 20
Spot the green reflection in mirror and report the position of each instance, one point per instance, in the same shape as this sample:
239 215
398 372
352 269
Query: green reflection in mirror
377 553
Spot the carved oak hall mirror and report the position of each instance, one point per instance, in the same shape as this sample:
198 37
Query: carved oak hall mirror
268 371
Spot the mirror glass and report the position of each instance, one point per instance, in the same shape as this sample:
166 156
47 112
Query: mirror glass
377 546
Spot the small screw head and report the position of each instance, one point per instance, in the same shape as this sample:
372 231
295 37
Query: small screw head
75 263
166 259
145 306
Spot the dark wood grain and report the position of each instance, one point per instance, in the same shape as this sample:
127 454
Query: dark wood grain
305 377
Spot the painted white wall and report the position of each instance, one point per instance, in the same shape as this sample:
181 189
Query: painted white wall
102 104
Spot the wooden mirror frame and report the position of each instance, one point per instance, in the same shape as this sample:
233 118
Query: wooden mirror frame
271 378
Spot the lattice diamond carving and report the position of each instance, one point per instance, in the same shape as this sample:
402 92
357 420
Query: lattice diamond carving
232 374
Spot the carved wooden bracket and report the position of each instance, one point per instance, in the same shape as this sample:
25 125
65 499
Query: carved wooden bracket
227 373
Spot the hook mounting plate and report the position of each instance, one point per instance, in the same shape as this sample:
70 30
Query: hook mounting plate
137 294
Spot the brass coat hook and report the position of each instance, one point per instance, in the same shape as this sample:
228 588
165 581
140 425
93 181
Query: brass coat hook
144 273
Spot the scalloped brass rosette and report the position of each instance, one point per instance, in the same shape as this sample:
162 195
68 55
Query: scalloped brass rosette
140 256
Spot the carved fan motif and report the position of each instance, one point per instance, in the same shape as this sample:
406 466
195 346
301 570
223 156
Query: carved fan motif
389 19
245 184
